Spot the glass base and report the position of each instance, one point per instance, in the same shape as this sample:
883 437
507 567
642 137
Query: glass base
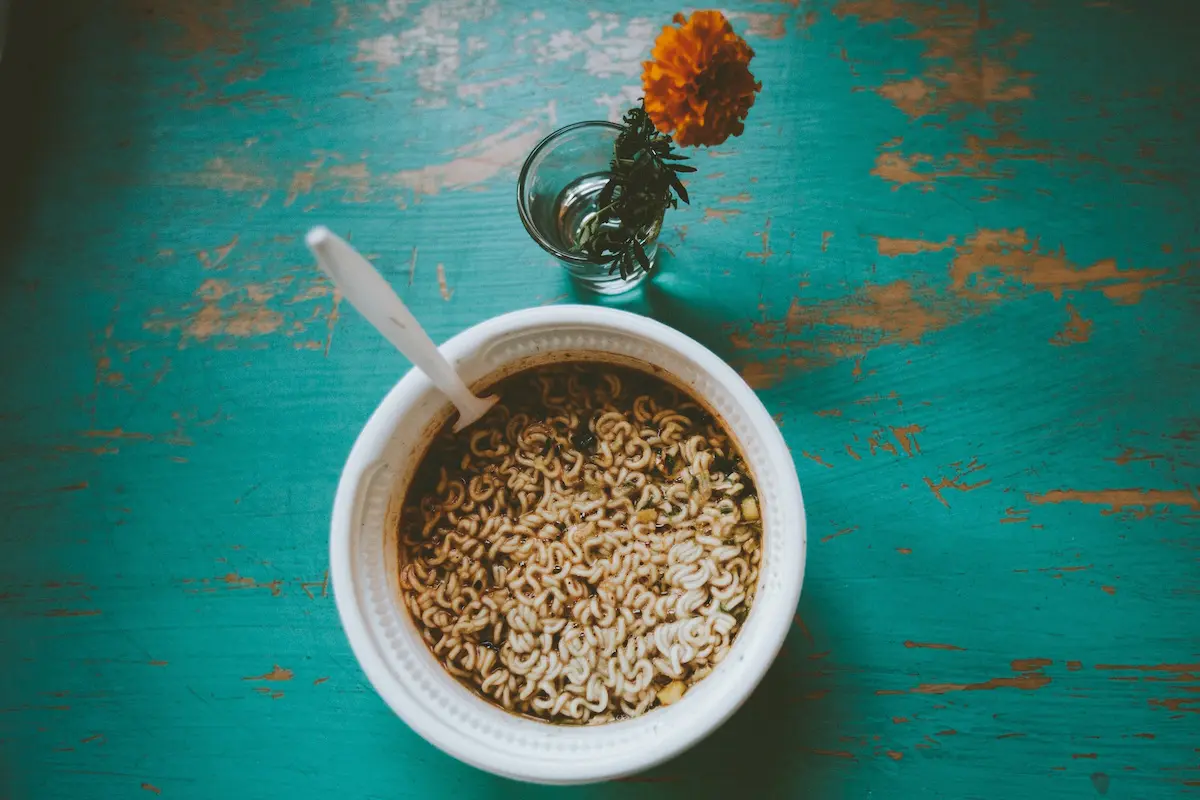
599 281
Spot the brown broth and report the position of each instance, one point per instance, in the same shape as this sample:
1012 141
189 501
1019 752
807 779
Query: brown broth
556 419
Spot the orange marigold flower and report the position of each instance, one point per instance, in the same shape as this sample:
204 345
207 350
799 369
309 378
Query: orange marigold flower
698 84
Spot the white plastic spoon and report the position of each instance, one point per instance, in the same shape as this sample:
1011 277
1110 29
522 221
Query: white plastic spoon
375 299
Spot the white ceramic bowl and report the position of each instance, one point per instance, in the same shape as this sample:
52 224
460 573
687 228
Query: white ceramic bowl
363 553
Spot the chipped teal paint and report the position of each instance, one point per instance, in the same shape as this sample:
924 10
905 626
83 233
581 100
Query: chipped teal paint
179 395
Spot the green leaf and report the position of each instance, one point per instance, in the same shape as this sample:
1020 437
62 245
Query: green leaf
678 187
643 185
640 253
606 194
595 249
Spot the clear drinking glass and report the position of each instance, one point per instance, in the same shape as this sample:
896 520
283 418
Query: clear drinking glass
556 196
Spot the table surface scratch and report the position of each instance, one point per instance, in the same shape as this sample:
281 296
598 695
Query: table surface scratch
955 252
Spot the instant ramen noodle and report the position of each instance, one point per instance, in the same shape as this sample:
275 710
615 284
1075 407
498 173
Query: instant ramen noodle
585 552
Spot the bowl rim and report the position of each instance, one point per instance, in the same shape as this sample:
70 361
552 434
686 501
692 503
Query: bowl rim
669 740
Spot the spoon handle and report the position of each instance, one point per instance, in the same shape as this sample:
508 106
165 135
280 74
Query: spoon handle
367 291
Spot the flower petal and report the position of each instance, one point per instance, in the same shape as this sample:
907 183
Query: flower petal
698 84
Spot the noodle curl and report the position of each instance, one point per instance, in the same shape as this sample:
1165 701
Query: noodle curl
586 551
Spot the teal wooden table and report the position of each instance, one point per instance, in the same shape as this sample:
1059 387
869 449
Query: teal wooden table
955 251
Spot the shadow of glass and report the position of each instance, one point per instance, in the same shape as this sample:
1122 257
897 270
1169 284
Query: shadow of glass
684 299
633 301
676 297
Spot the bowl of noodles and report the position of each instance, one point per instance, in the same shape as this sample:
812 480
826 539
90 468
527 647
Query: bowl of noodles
591 578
